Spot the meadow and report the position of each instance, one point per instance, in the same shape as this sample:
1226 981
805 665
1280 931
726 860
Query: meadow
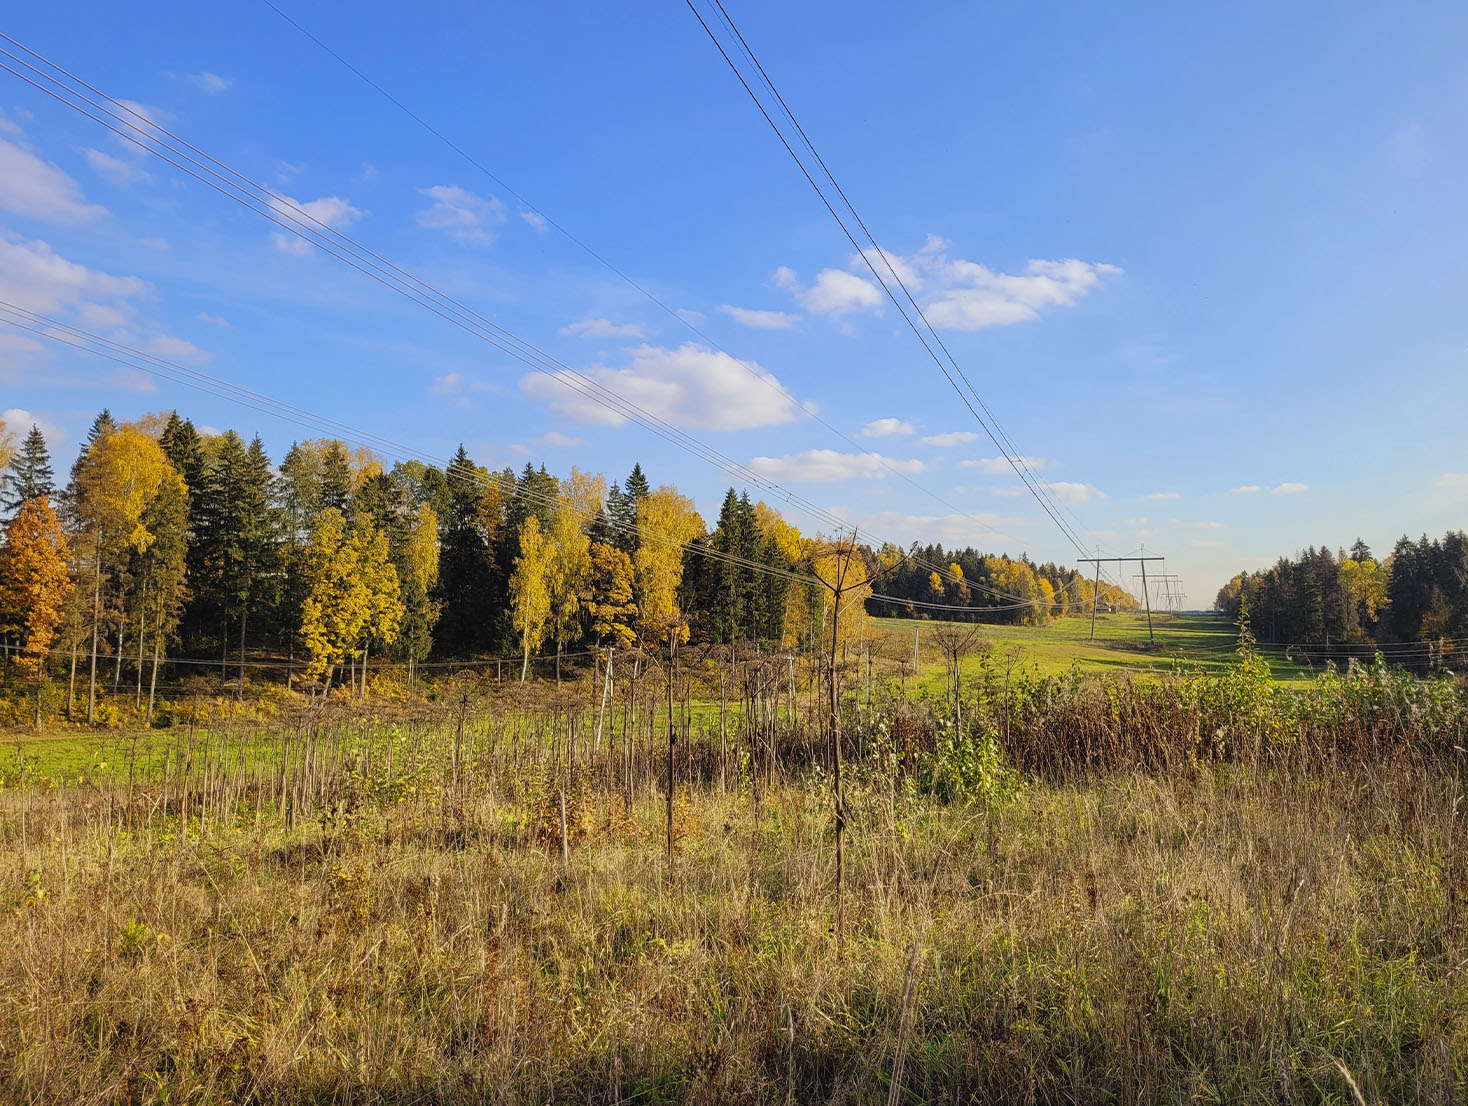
1191 884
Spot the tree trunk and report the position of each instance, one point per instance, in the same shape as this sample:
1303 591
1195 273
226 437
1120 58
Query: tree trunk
153 680
117 668
142 621
96 617
365 647
525 668
71 684
244 618
672 740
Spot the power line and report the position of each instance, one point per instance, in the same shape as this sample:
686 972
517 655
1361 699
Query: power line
995 433
563 230
289 216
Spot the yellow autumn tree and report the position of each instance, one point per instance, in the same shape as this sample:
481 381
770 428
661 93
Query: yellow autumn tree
612 606
791 551
576 506
334 611
34 585
382 602
114 481
839 565
418 561
530 589
667 521
1365 583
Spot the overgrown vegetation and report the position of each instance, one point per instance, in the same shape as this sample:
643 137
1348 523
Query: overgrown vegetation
1196 888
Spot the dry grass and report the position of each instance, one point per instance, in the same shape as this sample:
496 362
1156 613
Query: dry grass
1205 933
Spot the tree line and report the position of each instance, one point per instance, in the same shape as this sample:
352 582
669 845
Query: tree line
166 546
1413 604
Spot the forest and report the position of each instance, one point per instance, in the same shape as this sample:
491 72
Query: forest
1412 605
165 548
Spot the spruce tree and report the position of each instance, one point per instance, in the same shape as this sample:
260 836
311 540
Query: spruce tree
465 570
637 486
30 473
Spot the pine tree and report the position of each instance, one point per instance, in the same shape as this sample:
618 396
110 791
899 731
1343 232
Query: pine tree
30 473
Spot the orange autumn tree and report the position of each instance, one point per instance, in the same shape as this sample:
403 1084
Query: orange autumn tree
34 585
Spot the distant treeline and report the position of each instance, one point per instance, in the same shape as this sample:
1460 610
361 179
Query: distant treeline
168 542
1413 604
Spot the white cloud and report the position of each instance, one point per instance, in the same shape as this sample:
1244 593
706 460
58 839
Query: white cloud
1245 489
954 530
1009 491
1070 493
19 422
1134 522
953 437
835 292
139 116
330 211
604 328
995 466
690 316
1289 487
535 220
210 84
886 428
823 466
1453 480
466 216
36 188
972 296
692 386
36 277
1159 497
15 349
114 168
554 439
958 294
759 318
8 125
165 345
212 320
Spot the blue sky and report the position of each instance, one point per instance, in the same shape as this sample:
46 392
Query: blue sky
1181 251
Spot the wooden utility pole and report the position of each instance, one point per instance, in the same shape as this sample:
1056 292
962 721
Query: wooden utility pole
1146 598
1095 596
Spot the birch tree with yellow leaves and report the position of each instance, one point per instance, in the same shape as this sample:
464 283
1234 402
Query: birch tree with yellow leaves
115 480
666 522
530 589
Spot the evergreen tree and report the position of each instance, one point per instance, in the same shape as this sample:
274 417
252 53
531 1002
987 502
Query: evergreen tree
637 486
335 478
621 512
466 577
30 473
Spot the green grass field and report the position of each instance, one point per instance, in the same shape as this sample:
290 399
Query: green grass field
1121 645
